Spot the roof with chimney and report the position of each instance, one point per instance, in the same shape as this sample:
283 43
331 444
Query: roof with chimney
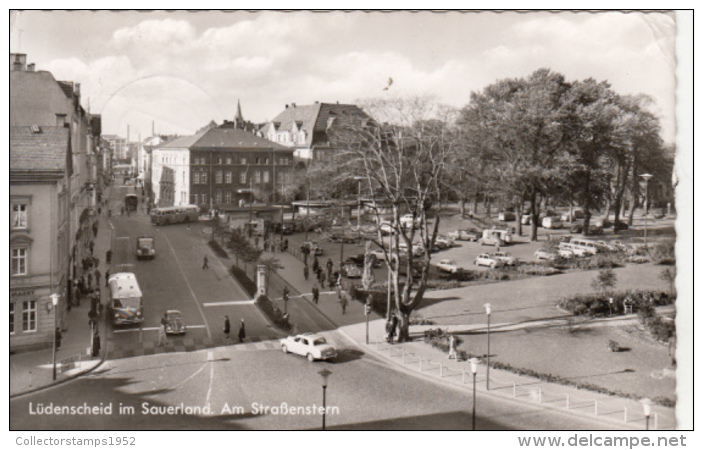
314 119
36 98
38 149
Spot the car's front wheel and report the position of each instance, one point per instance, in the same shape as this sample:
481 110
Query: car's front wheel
284 348
310 357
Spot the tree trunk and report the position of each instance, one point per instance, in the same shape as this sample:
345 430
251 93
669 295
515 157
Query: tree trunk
518 217
403 326
534 212
474 206
487 204
462 206
586 219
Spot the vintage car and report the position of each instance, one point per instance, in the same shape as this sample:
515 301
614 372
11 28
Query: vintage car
449 266
467 234
145 247
484 259
506 258
175 322
312 346
545 254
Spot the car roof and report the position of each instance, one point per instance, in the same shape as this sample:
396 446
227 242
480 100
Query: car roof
173 311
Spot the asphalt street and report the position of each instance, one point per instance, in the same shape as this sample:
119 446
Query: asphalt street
237 384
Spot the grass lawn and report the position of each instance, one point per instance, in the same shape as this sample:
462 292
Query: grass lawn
581 355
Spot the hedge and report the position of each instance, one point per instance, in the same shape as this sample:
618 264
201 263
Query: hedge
273 313
217 248
244 281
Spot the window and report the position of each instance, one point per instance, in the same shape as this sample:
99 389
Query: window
19 216
266 176
196 177
203 198
229 160
243 177
12 317
257 176
219 160
218 177
183 178
29 315
194 199
19 261
218 196
267 161
258 160
243 161
203 177
228 176
228 197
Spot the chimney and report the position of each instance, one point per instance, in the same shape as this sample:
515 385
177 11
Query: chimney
293 105
30 67
286 106
77 89
18 61
60 120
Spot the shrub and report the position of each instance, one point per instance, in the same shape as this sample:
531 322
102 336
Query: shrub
439 339
379 299
664 252
244 281
273 313
599 303
537 269
217 248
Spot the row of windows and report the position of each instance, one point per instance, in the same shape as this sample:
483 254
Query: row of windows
242 161
219 197
29 316
201 177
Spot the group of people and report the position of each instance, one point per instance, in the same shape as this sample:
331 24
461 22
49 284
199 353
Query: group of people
331 276
242 331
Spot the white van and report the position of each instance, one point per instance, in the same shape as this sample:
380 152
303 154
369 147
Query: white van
496 237
587 246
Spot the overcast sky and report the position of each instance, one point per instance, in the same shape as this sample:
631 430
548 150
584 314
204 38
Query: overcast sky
182 70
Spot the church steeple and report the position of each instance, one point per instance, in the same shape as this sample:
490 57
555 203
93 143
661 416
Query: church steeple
239 119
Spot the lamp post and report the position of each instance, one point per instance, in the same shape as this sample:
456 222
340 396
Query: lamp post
324 373
646 177
647 407
474 369
488 335
54 303
610 305
358 207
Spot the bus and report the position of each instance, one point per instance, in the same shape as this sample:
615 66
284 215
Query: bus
174 214
125 299
130 202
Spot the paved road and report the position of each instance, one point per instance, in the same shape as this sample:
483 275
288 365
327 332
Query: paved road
368 393
175 279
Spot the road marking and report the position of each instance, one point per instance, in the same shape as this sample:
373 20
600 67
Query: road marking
122 237
132 330
195 298
212 376
233 302
125 265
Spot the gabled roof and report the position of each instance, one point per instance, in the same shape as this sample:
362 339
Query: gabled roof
181 142
314 119
233 138
36 98
42 151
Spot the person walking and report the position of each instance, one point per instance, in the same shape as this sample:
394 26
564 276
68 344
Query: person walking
330 266
315 294
322 278
242 332
162 330
227 327
96 344
452 347
306 272
98 275
107 278
315 264
205 262
343 302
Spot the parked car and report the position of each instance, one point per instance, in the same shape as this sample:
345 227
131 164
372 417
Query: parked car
593 229
449 266
417 248
386 227
607 247
312 346
351 271
288 227
175 322
617 226
506 258
496 237
575 214
552 222
444 242
359 259
407 221
506 216
602 222
526 219
467 234
544 254
313 247
484 259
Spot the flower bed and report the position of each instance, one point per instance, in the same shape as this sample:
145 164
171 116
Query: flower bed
273 313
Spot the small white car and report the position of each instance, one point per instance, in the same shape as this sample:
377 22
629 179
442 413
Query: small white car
506 216
468 234
312 346
449 266
506 258
544 254
484 259
552 222
407 221
444 242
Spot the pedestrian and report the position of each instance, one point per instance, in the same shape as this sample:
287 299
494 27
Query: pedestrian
343 302
389 331
96 344
162 330
497 246
57 338
242 332
285 244
107 278
338 288
205 262
452 347
306 272
108 256
227 327
122 211
92 246
98 275
322 278
394 323
330 265
315 264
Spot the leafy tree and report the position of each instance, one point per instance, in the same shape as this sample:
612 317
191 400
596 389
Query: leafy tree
604 281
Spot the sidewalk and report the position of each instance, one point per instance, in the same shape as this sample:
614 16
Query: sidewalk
30 371
421 359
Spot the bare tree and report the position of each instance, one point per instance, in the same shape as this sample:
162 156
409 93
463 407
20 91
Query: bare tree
401 154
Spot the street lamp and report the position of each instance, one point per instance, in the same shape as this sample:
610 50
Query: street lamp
474 369
488 335
647 406
54 303
358 210
324 373
646 177
610 305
